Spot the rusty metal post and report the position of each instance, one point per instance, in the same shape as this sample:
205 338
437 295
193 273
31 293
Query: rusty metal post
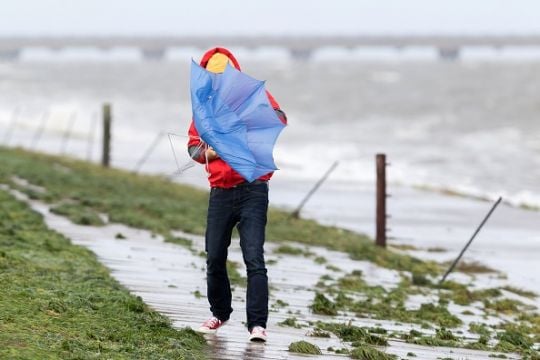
107 119
451 268
380 239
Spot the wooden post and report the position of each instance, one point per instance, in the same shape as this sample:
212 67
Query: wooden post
380 239
107 119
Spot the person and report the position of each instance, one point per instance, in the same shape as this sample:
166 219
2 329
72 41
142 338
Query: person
233 202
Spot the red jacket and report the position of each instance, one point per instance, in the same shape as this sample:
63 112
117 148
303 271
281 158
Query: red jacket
220 174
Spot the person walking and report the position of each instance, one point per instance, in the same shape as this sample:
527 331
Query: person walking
233 202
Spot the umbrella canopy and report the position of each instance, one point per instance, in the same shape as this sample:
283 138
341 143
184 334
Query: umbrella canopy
232 114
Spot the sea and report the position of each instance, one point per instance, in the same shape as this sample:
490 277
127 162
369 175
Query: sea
457 134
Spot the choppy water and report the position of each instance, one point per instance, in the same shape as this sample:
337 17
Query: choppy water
468 126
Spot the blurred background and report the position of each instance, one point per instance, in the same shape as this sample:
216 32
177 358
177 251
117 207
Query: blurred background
448 90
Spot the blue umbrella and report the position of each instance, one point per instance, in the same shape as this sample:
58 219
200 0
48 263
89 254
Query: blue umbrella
232 114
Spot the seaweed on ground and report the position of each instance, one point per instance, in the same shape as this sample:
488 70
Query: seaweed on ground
304 347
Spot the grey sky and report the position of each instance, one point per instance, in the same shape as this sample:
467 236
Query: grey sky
54 17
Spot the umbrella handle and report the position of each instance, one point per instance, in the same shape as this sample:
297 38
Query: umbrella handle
205 145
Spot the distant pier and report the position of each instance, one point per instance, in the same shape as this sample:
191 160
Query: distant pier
448 47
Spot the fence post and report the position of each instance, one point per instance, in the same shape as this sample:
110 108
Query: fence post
107 119
380 239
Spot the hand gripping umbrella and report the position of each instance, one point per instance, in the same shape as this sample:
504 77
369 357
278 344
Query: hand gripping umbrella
232 114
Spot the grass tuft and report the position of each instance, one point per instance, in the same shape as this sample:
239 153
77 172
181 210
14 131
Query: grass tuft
304 347
323 306
370 353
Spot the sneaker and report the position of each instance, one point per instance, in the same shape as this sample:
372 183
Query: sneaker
211 325
258 334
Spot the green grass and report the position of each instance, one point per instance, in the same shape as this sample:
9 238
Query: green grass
370 353
323 306
380 303
58 301
290 322
505 306
304 347
289 250
234 275
521 292
78 214
479 328
354 334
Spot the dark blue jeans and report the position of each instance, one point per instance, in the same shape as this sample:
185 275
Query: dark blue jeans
245 207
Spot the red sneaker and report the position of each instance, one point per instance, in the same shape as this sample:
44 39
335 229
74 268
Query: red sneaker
258 334
211 325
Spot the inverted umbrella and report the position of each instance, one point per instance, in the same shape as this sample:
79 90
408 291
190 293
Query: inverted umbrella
232 114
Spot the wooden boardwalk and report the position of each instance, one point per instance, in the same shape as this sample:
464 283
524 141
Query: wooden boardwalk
170 277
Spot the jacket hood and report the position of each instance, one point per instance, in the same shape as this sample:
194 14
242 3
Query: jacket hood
222 51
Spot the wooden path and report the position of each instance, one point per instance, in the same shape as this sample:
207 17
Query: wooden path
169 278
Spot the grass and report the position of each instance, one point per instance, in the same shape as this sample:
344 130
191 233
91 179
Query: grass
178 240
462 295
516 338
318 333
521 292
234 275
280 304
380 303
370 353
352 293
78 214
473 267
437 249
304 347
58 301
479 328
354 334
323 306
289 250
505 306
290 322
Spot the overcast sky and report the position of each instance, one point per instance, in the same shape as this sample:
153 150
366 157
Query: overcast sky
177 17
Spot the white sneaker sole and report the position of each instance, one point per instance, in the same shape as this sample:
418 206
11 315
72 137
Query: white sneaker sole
204 330
257 338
